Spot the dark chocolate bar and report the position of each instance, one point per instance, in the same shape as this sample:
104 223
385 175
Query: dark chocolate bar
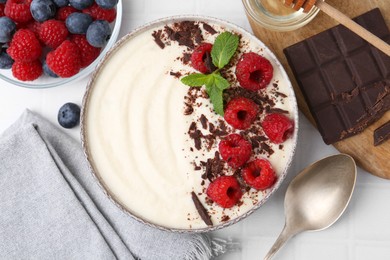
382 134
344 79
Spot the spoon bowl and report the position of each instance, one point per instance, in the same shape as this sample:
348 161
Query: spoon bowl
317 197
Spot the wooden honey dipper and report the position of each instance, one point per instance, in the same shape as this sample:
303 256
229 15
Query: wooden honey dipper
307 5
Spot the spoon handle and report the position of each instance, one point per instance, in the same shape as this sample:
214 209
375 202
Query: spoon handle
285 235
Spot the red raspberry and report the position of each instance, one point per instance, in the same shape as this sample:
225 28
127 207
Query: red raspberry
18 10
2 6
64 12
225 191
240 112
52 33
235 150
65 61
34 26
277 127
199 58
99 13
87 51
24 46
27 71
259 174
253 71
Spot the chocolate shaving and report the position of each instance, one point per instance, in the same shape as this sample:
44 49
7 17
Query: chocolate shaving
192 127
213 167
175 74
203 121
198 36
257 140
208 62
225 218
188 110
222 125
184 38
382 134
168 30
186 58
157 38
219 132
269 110
196 135
187 33
201 210
208 171
218 166
198 143
277 110
280 94
190 99
211 127
209 29
266 148
210 142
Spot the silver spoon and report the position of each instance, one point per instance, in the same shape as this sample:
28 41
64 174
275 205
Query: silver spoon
317 197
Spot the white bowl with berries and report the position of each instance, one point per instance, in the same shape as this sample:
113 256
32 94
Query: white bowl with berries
48 43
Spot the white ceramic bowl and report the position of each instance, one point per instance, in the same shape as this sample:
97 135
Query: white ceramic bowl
100 70
49 82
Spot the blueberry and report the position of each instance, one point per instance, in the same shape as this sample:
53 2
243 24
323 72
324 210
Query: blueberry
42 10
107 4
78 23
5 60
48 71
98 33
81 4
7 29
3 1
69 115
61 3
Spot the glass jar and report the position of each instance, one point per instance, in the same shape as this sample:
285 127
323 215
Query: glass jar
273 15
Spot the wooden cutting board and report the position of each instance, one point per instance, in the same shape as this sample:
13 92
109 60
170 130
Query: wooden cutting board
375 160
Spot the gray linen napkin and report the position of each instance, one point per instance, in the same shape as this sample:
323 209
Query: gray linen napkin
51 207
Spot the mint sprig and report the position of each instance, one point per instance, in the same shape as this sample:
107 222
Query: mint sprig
224 47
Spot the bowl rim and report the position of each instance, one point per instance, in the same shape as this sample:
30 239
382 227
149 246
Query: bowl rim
89 90
83 72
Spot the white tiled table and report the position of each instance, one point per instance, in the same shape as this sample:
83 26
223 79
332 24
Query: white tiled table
363 232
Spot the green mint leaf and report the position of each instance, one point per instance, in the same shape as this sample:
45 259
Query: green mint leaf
195 80
215 86
220 82
209 86
224 47
216 98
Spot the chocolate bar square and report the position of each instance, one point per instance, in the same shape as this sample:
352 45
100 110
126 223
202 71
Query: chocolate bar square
344 79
